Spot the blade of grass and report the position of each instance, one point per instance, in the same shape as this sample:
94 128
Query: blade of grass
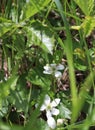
85 89
69 54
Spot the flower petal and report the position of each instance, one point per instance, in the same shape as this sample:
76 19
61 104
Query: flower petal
47 72
58 74
48 114
43 107
55 102
60 67
47 67
47 100
54 111
51 122
53 65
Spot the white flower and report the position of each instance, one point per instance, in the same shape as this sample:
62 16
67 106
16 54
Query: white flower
50 106
50 110
53 69
60 122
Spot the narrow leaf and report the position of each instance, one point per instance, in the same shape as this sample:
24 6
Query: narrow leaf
85 5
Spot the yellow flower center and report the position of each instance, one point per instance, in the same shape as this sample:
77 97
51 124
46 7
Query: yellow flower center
49 107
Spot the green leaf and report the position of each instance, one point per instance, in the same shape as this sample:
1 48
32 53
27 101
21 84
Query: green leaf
64 112
3 126
79 53
38 79
2 20
6 86
42 36
80 67
33 7
85 5
5 27
41 125
88 25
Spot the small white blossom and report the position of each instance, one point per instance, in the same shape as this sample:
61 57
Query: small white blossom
50 110
60 122
53 69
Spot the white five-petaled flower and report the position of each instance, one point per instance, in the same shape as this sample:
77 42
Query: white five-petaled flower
53 69
50 110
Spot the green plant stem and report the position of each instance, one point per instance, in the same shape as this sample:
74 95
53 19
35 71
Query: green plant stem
69 55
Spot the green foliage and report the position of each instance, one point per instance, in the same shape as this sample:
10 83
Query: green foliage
88 25
86 6
41 35
65 112
68 50
33 7
5 27
36 33
38 79
6 86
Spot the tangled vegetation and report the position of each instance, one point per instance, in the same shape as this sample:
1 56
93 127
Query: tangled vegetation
47 64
